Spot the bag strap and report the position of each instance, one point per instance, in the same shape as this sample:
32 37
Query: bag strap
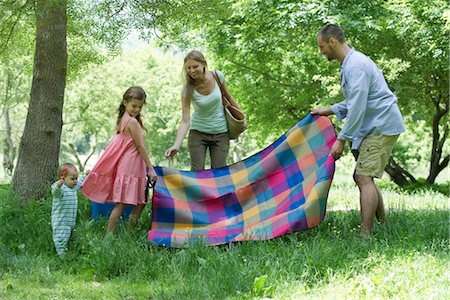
150 185
224 99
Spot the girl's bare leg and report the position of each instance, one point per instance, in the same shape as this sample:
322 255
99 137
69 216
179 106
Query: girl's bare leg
115 217
135 215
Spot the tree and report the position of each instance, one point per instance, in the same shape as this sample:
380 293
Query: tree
14 85
16 44
422 31
39 147
17 41
102 22
15 80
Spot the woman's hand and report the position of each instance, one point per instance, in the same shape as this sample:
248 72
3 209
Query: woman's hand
170 153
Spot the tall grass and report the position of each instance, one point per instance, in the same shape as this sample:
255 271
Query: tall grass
406 259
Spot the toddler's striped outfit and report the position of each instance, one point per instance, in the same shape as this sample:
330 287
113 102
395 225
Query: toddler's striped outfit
64 213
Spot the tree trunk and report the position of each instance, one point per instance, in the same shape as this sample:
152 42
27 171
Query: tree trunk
436 169
398 175
9 151
40 143
436 164
81 165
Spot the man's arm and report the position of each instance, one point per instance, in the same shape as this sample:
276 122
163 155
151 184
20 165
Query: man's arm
357 90
338 146
339 109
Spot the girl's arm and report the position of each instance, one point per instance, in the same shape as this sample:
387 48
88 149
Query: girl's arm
183 129
134 128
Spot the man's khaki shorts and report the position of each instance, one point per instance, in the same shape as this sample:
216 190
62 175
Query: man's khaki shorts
374 154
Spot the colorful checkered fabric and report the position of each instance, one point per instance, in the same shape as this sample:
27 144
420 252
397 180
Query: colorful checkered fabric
282 189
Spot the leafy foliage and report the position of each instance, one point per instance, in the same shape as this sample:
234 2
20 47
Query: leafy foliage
268 49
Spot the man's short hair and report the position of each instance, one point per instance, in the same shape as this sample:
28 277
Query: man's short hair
332 31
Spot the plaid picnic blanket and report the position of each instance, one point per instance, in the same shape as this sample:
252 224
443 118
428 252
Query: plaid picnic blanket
282 189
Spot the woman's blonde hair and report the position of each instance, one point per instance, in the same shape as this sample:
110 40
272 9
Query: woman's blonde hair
188 81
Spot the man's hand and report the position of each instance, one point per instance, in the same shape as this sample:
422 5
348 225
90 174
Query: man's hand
337 148
322 111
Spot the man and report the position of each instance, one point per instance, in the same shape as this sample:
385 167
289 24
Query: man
373 119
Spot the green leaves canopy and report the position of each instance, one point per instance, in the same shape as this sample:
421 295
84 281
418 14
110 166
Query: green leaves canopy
268 50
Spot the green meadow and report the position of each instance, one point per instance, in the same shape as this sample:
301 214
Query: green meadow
407 258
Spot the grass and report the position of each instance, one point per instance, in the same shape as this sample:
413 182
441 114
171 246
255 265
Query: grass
406 259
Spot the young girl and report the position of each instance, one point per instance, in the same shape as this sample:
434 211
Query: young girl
65 205
120 174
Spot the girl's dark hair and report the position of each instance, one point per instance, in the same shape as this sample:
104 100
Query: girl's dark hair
332 31
188 81
133 93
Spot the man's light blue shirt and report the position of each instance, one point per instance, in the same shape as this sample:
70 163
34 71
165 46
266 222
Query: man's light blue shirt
370 107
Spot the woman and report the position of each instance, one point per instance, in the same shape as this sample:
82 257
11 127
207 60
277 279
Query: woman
208 126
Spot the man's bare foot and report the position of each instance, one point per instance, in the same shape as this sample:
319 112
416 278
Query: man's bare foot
365 232
381 216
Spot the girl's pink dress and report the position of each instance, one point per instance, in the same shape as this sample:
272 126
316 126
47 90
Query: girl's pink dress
119 176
